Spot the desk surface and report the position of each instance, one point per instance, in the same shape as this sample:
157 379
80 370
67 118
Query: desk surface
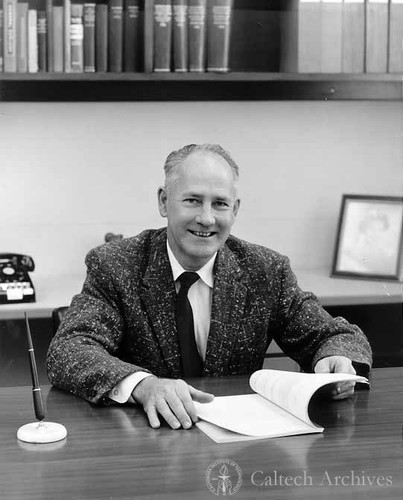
56 291
111 453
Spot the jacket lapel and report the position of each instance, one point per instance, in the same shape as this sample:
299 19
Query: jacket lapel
229 297
158 295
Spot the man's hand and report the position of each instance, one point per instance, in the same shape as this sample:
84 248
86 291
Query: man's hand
337 364
171 398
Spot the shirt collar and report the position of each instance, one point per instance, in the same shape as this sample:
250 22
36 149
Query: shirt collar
205 273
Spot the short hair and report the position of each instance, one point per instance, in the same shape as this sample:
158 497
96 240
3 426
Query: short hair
177 157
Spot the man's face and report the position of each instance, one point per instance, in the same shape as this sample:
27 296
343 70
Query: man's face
201 204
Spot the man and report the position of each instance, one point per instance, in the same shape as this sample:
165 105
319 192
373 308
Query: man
138 328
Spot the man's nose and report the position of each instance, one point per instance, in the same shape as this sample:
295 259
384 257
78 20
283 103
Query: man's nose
205 216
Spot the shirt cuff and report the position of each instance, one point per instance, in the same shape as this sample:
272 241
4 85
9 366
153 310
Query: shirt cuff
122 392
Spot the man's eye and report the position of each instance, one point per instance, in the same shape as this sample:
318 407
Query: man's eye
221 204
190 201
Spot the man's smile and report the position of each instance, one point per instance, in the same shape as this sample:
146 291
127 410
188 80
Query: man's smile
203 234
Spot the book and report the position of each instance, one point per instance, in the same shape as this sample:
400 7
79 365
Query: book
395 63
89 37
10 35
77 38
148 36
22 37
331 36
376 54
32 41
131 45
162 35
42 39
219 20
180 35
353 36
58 39
301 37
1 38
101 37
278 408
197 13
49 35
66 31
115 36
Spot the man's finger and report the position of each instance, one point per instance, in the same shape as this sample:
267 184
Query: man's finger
200 396
153 417
187 401
343 390
179 410
166 412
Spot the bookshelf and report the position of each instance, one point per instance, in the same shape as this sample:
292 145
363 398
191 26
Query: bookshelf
255 61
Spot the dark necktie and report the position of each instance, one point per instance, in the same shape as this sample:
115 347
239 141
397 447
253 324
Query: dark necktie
192 365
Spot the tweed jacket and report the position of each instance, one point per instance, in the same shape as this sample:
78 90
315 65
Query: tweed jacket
124 318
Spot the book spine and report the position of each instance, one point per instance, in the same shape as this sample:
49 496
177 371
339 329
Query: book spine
67 44
77 38
395 63
376 55
1 38
101 37
180 35
309 36
218 35
22 37
89 37
331 36
131 36
32 41
197 34
353 36
148 35
10 35
116 36
42 38
49 35
58 39
162 35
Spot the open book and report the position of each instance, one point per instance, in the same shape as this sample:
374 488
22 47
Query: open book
279 407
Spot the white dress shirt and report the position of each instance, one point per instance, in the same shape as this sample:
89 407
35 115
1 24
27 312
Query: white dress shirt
200 297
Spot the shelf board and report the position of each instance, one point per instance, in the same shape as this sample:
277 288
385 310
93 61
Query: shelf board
198 87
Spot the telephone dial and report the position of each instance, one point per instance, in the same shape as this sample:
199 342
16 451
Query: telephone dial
15 284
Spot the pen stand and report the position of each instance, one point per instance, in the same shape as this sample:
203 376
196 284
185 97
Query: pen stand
41 432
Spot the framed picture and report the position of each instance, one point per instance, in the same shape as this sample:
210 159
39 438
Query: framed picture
369 237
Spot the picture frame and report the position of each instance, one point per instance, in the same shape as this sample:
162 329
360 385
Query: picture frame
369 237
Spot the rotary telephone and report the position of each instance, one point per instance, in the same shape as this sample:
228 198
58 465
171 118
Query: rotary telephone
15 284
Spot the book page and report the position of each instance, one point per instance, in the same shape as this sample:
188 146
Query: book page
252 415
292 390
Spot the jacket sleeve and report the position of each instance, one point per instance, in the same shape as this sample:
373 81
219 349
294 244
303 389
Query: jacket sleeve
82 355
307 333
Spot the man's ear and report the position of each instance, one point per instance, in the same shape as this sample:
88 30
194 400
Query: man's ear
162 201
237 204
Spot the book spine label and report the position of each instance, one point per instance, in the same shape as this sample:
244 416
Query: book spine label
77 38
180 35
116 36
395 63
197 35
67 44
131 36
218 35
58 39
1 39
89 37
42 38
10 35
32 41
101 37
162 35
22 37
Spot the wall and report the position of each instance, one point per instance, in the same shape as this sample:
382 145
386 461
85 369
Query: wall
70 172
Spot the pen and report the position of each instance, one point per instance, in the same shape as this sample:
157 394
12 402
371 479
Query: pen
36 390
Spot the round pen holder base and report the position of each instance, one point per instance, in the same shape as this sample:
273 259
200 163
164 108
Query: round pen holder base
42 432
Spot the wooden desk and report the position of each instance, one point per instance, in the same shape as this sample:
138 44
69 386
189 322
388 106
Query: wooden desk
111 453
